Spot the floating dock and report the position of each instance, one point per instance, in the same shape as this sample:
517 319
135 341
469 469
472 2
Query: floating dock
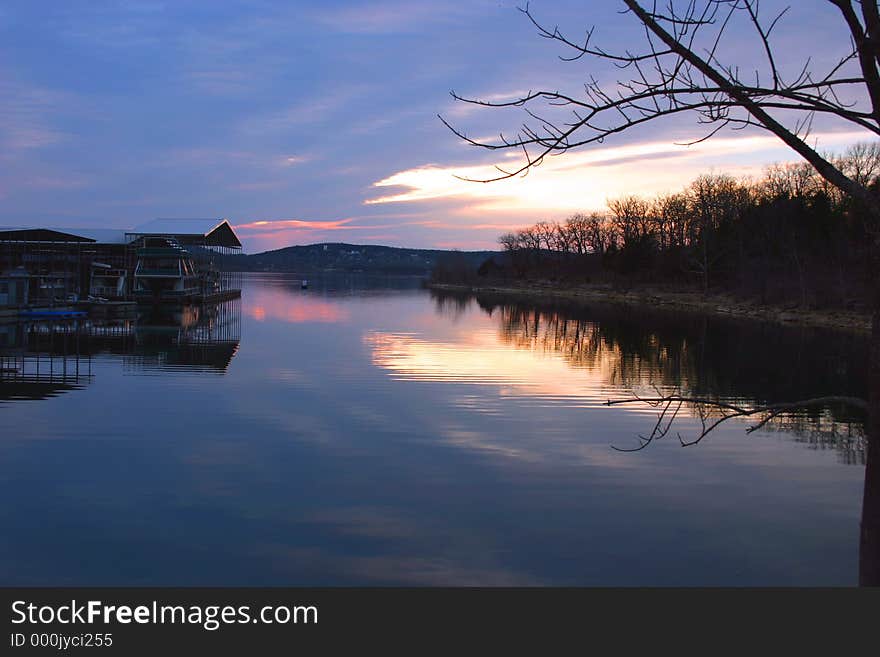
51 313
106 309
217 297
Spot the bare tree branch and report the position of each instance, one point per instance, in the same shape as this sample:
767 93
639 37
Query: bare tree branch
670 405
670 76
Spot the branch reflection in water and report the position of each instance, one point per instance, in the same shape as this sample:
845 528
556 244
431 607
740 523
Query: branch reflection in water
740 365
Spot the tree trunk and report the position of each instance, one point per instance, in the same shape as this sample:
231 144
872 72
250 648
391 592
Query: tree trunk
869 544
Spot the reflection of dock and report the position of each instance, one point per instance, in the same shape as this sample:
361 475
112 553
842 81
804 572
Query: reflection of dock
43 361
204 337
40 358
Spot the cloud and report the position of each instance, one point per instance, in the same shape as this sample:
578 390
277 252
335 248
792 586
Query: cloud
221 82
314 109
25 116
124 25
262 235
387 228
293 160
586 179
394 17
303 224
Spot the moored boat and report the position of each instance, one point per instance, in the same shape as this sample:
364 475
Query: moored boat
165 271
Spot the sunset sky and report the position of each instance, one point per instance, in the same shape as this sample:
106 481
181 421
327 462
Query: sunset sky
311 122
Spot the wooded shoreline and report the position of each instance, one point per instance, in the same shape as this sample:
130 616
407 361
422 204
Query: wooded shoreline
674 300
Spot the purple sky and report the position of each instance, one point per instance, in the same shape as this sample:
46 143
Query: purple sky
309 122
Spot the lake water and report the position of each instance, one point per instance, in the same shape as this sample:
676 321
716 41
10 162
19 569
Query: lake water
369 432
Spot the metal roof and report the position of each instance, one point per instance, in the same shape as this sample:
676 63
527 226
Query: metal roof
216 232
213 232
62 234
101 235
21 234
178 227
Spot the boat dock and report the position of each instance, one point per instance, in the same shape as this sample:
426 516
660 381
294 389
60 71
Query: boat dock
218 297
108 273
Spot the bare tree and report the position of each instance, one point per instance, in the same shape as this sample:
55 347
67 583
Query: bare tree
529 239
631 218
546 235
563 238
787 181
861 162
679 70
671 214
509 242
602 235
577 227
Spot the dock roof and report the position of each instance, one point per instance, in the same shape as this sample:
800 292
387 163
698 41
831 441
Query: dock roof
214 232
15 234
209 232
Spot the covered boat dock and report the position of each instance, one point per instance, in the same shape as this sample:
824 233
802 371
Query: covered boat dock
64 266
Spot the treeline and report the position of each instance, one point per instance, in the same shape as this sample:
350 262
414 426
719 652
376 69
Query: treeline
787 235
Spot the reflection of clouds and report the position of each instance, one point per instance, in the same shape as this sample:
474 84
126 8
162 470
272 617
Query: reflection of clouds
479 441
515 387
427 551
281 305
480 359
288 375
393 569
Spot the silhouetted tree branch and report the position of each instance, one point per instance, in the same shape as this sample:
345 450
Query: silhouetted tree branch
670 405
678 70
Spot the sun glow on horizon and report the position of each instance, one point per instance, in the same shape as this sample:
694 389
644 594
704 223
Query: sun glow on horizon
585 180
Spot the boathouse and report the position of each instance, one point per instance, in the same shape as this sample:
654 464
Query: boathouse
59 264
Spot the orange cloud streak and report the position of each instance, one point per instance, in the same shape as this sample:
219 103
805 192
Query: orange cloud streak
287 224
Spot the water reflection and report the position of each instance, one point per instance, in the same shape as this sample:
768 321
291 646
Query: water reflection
744 363
39 361
402 445
624 349
43 359
196 338
478 359
273 304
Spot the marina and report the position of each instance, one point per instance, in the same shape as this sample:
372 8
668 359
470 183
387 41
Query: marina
49 272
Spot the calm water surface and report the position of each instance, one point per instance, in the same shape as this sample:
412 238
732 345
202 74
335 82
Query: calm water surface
370 432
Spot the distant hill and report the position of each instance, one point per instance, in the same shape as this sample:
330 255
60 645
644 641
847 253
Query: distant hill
352 258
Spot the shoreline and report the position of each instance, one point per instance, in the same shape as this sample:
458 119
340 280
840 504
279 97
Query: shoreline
715 304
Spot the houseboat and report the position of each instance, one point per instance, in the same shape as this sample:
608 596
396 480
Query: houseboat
107 282
165 271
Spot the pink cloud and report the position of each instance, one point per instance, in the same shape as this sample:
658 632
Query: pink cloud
273 225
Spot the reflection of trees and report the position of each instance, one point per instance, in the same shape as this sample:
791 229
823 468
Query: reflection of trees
585 343
707 357
728 363
848 439
452 305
